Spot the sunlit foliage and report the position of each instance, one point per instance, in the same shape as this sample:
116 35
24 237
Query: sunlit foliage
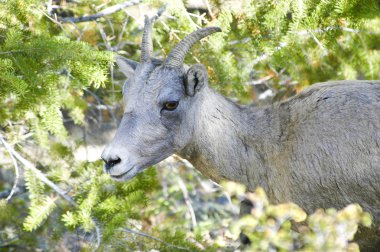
53 73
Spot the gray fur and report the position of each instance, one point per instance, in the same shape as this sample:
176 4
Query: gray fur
319 149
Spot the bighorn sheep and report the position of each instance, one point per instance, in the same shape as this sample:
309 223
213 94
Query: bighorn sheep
319 149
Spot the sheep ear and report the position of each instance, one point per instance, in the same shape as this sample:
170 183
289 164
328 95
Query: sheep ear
127 66
196 79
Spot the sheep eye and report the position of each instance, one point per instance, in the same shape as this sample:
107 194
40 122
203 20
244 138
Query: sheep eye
170 105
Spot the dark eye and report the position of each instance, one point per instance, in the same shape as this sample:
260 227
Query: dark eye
170 105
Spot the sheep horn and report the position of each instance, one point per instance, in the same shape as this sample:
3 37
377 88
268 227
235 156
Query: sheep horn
147 43
177 55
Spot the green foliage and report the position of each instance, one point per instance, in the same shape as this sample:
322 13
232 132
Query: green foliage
39 210
52 72
40 71
270 227
115 202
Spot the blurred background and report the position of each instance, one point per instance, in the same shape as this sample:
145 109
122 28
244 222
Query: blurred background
60 103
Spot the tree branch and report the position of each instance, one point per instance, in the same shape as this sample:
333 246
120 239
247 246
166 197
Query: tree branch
324 50
98 233
17 171
28 165
17 191
6 243
103 13
153 238
187 201
267 55
55 21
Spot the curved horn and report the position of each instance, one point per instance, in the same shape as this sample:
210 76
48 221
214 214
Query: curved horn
147 43
177 55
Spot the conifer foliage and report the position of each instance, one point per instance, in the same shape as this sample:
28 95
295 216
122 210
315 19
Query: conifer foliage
42 71
53 67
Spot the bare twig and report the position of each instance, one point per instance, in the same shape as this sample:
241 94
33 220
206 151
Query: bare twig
124 26
186 163
55 21
259 81
80 31
6 243
111 26
98 100
239 41
201 17
153 238
324 50
17 171
98 233
183 188
104 37
101 106
185 193
187 201
209 10
159 13
103 13
112 73
17 191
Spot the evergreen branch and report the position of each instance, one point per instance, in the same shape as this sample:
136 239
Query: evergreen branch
10 52
39 211
103 13
303 32
17 171
331 28
153 238
19 51
267 55
28 165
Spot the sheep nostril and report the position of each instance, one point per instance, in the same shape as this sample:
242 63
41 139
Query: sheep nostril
114 161
109 163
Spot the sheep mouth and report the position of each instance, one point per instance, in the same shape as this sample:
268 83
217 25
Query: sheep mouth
121 175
